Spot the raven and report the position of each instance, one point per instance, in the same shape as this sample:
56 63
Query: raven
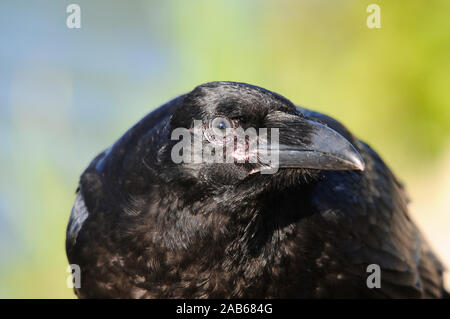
146 226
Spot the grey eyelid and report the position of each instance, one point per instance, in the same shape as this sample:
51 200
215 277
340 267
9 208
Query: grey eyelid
227 120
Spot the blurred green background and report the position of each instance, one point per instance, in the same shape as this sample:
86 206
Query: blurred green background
66 94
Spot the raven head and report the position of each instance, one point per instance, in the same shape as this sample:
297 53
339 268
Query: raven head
222 218
250 130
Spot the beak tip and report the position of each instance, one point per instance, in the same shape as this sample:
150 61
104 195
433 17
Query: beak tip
361 167
354 160
359 163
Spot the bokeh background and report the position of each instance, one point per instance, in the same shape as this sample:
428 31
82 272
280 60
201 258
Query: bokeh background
66 94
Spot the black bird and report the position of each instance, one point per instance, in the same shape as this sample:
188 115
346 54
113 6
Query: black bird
144 226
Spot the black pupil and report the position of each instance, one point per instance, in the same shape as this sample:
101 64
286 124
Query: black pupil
222 125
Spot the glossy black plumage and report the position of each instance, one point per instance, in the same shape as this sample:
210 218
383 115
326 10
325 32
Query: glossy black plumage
145 227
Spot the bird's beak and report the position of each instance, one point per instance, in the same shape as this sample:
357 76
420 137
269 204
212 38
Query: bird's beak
304 143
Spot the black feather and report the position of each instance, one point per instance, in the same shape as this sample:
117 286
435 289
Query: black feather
156 229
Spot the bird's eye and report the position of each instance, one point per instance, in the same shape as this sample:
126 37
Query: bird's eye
219 126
